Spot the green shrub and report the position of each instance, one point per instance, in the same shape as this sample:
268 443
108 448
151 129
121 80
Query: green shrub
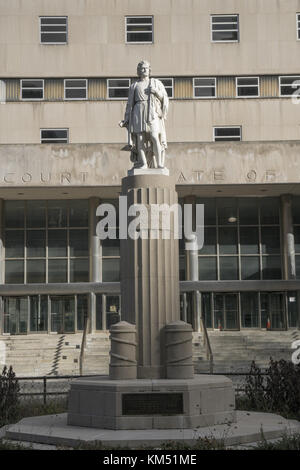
9 395
278 391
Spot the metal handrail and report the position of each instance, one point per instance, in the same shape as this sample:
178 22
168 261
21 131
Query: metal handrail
209 353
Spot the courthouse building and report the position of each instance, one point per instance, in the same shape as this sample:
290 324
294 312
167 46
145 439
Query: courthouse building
233 131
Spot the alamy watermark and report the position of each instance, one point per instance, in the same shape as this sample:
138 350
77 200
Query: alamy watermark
296 354
154 221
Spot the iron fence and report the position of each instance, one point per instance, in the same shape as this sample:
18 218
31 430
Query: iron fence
58 385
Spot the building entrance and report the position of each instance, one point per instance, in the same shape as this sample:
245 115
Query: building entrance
15 315
62 314
226 311
273 310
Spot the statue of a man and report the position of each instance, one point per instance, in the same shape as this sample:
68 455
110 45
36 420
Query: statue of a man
146 111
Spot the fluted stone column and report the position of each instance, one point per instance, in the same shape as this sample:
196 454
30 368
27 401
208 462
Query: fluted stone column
150 275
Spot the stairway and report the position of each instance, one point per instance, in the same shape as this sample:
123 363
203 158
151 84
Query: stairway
42 354
234 351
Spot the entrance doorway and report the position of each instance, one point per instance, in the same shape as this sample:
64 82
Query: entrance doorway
62 314
15 315
273 310
226 308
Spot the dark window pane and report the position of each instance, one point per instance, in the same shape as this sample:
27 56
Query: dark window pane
118 92
209 247
110 247
53 20
249 309
54 37
248 211
118 83
36 243
57 270
111 270
99 312
227 131
14 214
224 19
139 28
76 83
54 134
224 26
296 210
249 240
57 243
298 267
36 271
79 270
139 37
32 84
79 243
32 94
205 92
250 268
79 213
271 267
247 81
248 91
292 309
269 211
76 93
14 272
14 244
206 309
227 211
208 269
228 268
228 240
182 276
36 214
139 19
270 240
57 213
112 310
82 311
225 36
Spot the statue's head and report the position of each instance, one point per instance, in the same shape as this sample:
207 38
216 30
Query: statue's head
143 68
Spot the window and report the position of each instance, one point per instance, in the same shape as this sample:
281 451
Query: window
225 28
139 29
75 89
204 87
247 87
241 239
32 89
298 25
289 85
233 133
54 136
46 241
53 29
168 84
118 88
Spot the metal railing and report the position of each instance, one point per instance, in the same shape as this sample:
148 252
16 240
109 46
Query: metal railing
44 383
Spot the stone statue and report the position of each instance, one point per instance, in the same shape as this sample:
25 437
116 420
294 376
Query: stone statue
145 115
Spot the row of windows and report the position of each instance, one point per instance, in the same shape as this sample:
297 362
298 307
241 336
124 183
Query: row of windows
140 29
118 88
61 136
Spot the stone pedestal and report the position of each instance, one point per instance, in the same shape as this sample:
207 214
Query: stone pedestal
98 402
150 274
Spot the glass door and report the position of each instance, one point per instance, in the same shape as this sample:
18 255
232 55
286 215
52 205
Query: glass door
226 312
113 311
273 310
62 314
15 315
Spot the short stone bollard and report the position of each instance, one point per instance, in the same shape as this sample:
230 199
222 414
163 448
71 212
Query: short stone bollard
179 352
123 364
